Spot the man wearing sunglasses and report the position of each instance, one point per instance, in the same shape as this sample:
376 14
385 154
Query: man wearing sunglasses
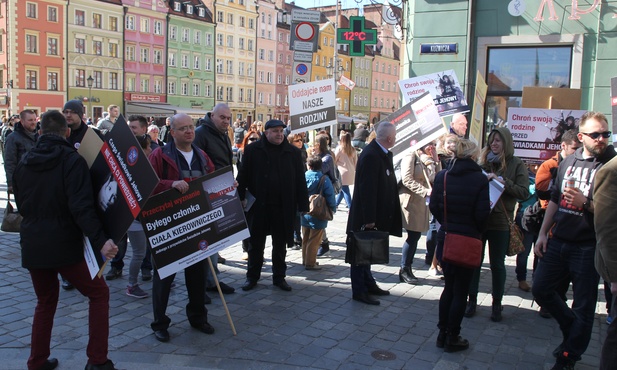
571 247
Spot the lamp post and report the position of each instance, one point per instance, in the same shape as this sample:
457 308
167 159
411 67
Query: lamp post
9 87
90 81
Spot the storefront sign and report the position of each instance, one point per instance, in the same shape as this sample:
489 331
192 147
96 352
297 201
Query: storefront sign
148 98
574 13
439 48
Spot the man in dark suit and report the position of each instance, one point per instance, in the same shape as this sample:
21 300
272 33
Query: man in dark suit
375 204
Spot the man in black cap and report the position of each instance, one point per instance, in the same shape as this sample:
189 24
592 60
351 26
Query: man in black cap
273 172
74 113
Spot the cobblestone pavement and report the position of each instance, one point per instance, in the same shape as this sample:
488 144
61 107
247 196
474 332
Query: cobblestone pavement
316 326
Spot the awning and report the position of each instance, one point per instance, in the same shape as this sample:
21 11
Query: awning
161 110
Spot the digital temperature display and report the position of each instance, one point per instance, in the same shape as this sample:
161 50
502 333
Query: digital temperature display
356 36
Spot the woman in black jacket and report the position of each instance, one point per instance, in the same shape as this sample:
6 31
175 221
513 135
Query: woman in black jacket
468 208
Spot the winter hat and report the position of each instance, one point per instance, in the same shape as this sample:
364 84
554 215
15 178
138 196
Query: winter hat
76 106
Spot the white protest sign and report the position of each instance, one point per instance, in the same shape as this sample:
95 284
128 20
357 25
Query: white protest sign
312 105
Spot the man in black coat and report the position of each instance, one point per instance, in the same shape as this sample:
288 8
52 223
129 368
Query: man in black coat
273 172
54 194
375 204
21 141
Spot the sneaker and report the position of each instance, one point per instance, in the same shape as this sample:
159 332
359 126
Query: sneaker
135 291
114 273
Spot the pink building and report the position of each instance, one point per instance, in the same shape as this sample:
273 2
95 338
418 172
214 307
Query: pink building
145 56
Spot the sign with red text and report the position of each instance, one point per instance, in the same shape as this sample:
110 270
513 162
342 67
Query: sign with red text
184 229
312 105
444 87
417 124
536 133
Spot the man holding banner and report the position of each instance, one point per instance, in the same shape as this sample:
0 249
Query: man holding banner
177 163
53 191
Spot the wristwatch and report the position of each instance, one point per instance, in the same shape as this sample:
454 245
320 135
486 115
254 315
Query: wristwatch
586 204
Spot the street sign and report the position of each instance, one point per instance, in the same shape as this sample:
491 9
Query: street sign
304 36
302 15
356 36
301 72
302 56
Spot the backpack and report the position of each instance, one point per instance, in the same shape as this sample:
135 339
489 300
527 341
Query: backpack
532 218
239 135
318 207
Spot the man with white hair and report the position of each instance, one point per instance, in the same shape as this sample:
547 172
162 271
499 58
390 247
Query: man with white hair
375 204
458 126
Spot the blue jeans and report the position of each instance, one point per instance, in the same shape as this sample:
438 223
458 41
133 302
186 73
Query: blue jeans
409 248
521 258
344 193
576 323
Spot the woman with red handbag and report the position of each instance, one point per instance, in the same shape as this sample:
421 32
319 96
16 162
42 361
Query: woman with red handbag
462 210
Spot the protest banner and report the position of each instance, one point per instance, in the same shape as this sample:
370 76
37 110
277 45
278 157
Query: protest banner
122 178
477 116
614 107
417 124
443 87
312 105
183 229
536 133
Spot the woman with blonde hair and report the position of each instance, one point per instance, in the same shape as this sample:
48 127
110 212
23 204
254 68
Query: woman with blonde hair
462 209
346 158
500 164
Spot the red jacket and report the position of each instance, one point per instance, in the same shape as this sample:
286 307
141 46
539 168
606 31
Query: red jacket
544 176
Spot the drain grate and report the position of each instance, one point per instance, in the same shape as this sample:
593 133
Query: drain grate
382 355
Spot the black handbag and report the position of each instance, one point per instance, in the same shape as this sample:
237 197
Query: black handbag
11 220
369 247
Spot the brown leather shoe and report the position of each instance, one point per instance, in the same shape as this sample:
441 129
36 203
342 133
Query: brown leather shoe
524 286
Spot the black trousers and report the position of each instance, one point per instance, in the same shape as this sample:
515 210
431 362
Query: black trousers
258 245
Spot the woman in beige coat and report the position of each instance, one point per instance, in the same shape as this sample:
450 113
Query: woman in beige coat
418 169
346 159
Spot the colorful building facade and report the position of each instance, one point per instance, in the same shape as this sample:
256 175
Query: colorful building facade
267 60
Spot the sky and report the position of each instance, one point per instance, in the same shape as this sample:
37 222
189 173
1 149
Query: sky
345 4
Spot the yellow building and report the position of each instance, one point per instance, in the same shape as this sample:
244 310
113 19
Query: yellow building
95 46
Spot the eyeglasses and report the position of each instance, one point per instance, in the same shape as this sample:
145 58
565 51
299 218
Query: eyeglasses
253 139
596 135
298 141
185 128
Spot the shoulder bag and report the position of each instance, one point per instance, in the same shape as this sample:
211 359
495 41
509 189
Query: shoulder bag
11 220
318 207
369 247
515 246
458 249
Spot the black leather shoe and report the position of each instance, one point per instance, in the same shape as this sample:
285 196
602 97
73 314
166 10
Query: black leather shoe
375 290
226 289
406 276
455 343
50 364
470 311
207 299
204 328
114 273
323 249
283 285
222 260
365 298
66 285
496 313
108 365
162 335
441 339
248 285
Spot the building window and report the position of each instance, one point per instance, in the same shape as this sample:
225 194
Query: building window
230 94
251 23
241 43
271 56
197 37
80 77
219 39
208 39
80 17
219 92
196 89
130 23
262 54
219 17
261 76
270 19
263 17
31 10
171 59
158 56
260 98
219 66
52 14
113 50
249 95
288 59
208 64
145 25
171 87
279 79
52 81
269 77
144 85
130 84
250 45
189 9
158 87
80 46
177 7
539 66
158 27
242 21
230 67
97 20
241 68
173 30
287 79
113 24
184 61
230 18
241 95
185 88
185 35
230 41
32 42
97 47
280 60
197 62
31 82
208 91
113 80
249 70
145 55
52 46
98 79
130 53
202 12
